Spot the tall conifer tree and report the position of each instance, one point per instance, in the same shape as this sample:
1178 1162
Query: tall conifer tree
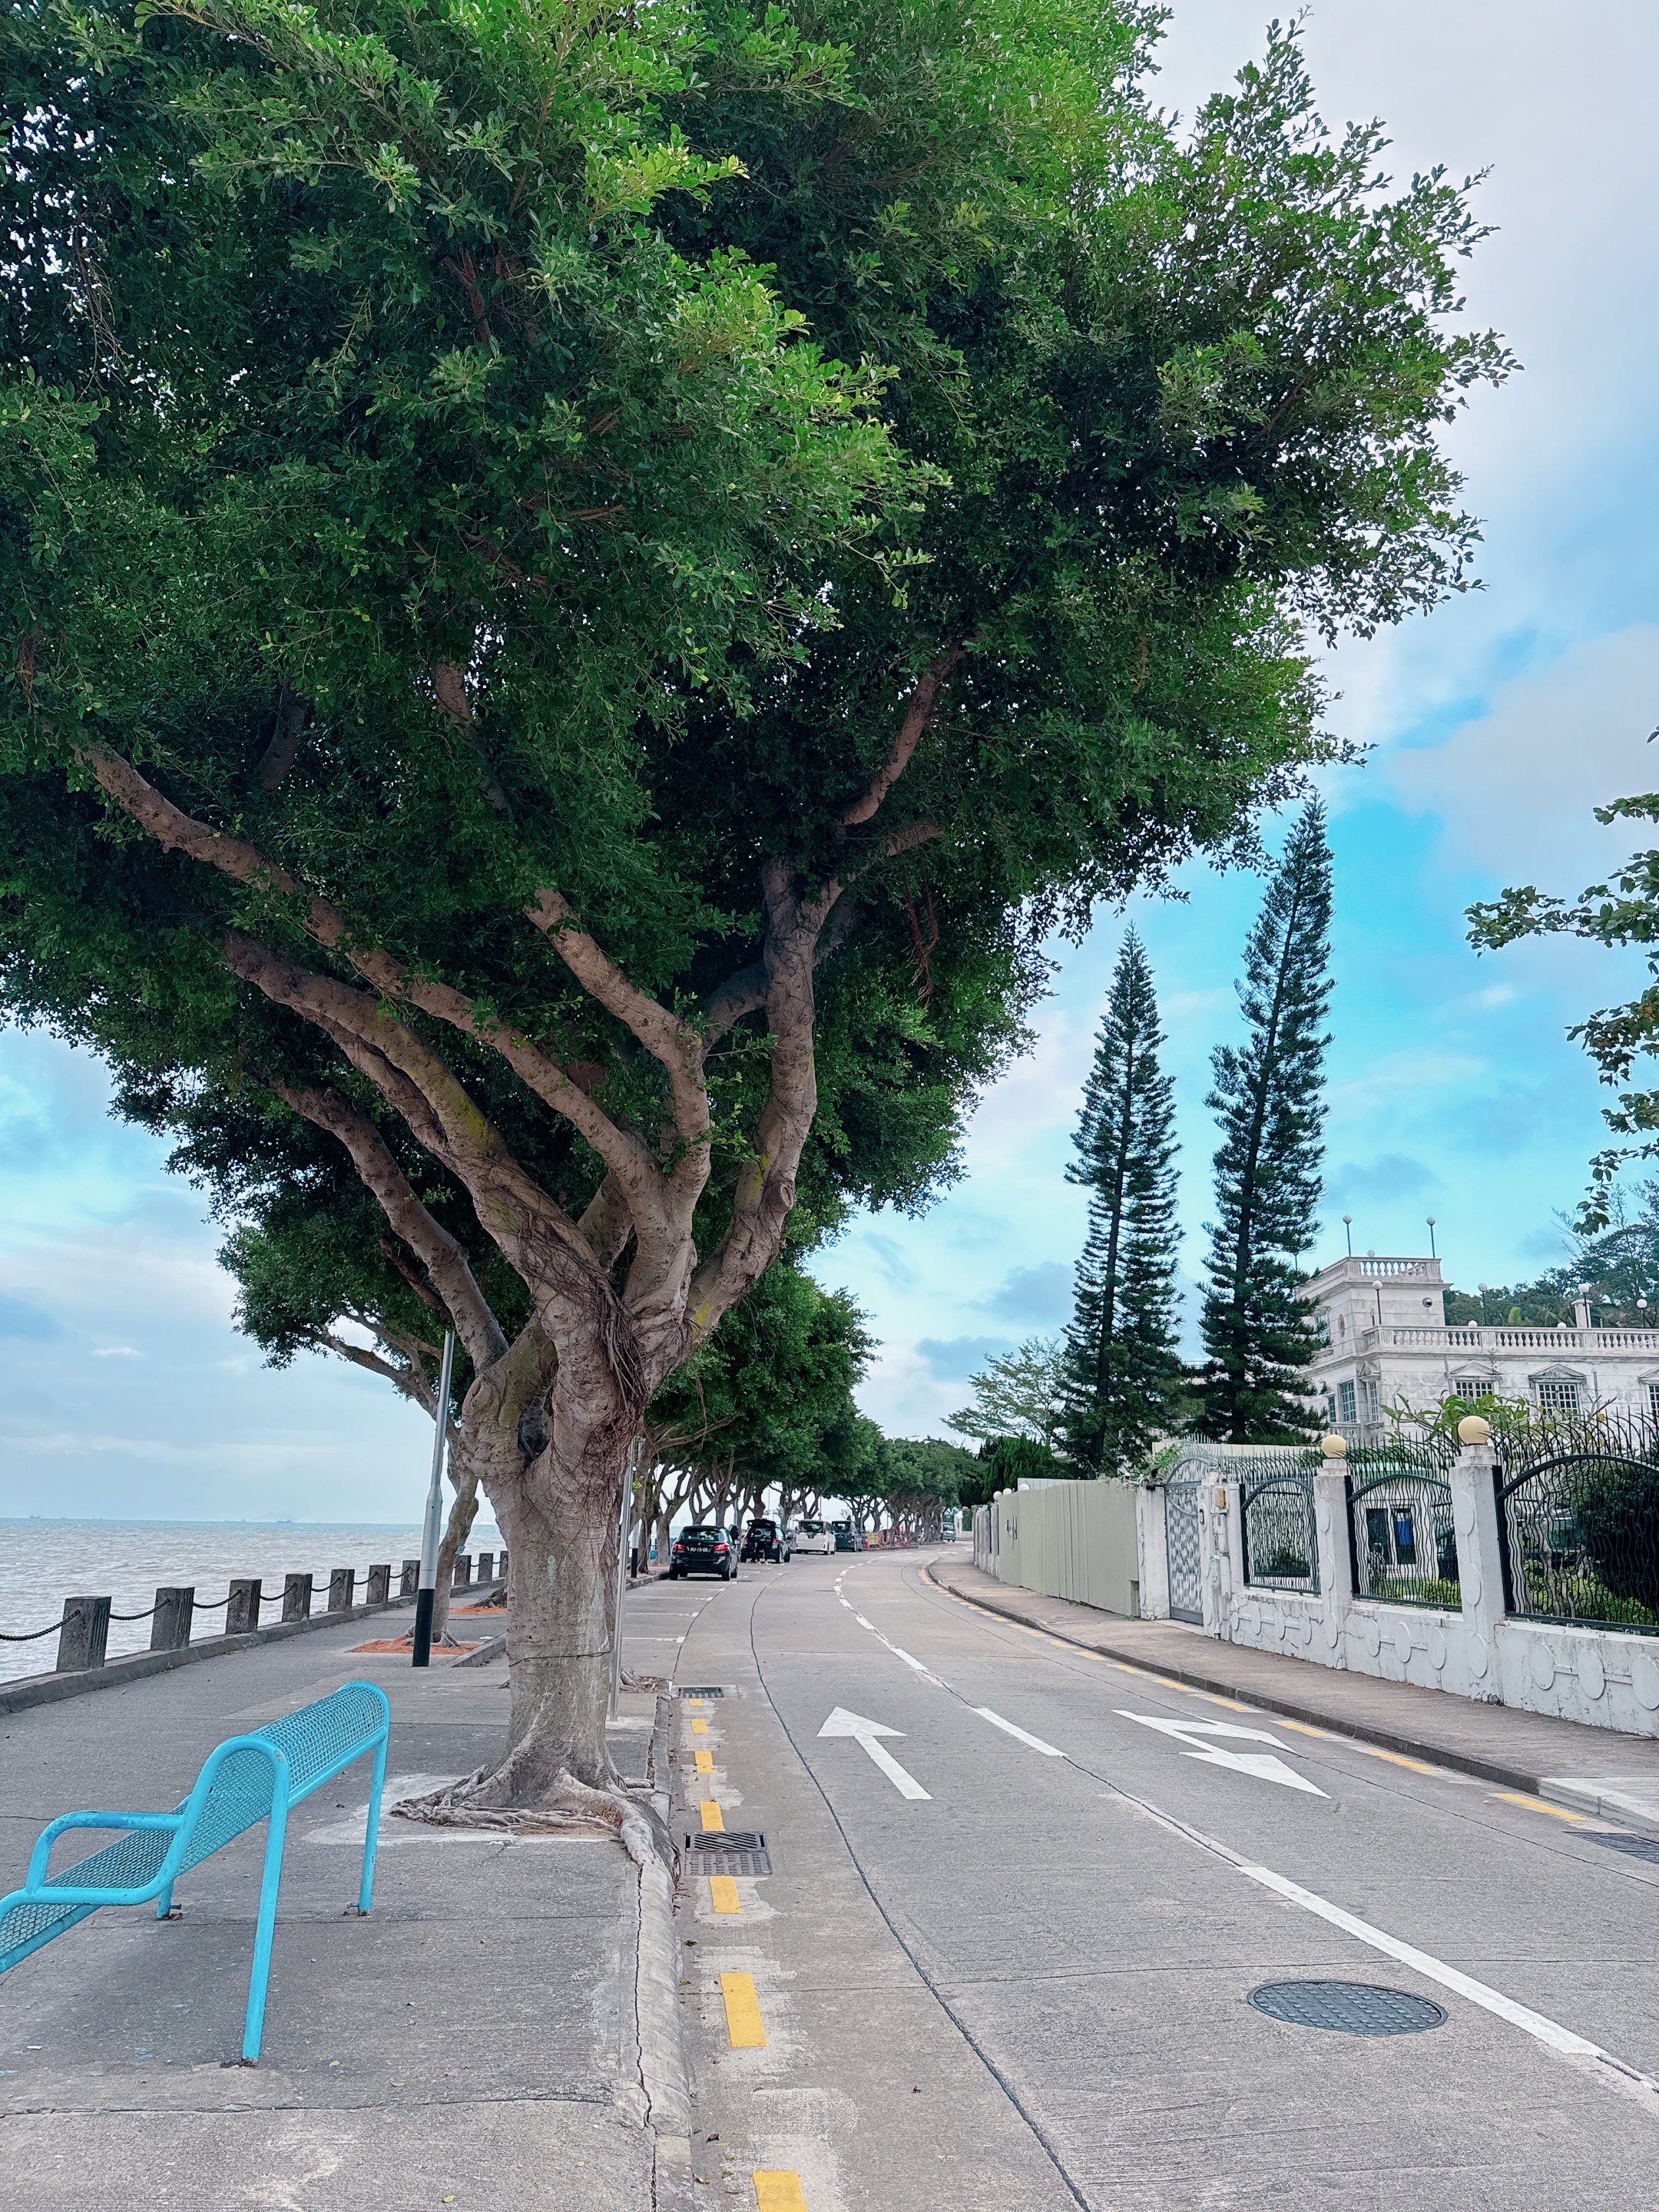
1257 1331
1123 1374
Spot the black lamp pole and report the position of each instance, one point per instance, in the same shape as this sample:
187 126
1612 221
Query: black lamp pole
425 1594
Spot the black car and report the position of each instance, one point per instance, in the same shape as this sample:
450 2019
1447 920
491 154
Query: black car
703 1551
766 1539
848 1538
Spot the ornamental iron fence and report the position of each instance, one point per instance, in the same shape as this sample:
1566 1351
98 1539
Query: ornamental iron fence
1276 1515
1402 1546
1578 1522
1183 1552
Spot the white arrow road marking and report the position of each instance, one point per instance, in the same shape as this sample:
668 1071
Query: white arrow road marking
1048 1750
1262 1763
841 1722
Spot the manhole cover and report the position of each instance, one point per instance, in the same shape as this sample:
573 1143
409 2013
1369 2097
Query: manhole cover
727 1851
1634 1847
705 1692
1351 2007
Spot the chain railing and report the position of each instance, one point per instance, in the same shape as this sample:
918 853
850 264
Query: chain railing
1578 1522
1276 1514
1403 1544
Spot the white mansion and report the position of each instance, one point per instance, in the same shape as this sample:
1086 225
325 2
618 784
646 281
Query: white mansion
1386 1343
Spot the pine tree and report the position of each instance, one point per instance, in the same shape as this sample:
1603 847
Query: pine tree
1123 1374
1258 1333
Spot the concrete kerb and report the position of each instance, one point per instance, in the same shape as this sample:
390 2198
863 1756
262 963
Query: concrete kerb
664 2075
1433 1754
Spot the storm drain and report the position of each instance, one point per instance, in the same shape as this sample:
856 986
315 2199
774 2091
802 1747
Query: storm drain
727 1851
707 1690
1633 1847
1351 2007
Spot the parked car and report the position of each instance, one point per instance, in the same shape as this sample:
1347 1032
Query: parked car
848 1538
703 1551
766 1540
814 1536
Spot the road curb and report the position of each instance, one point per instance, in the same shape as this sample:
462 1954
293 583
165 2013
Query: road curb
664 2075
1434 1755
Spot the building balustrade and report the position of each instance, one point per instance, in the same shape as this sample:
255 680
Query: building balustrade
1407 1338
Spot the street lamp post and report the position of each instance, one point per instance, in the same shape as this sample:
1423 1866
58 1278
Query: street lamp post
1433 1255
425 1594
1347 1223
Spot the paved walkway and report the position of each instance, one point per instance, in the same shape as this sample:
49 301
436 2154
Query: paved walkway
1599 1769
473 2042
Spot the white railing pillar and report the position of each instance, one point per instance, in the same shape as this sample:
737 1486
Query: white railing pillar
1479 1562
1152 1541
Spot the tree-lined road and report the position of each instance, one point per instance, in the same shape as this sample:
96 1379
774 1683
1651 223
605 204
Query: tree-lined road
1019 1976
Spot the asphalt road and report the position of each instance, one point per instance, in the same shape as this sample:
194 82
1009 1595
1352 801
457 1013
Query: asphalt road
1005 1955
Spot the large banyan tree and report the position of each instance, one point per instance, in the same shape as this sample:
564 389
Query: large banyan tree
583 585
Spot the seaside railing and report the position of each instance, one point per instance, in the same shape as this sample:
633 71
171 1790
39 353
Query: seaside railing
83 1628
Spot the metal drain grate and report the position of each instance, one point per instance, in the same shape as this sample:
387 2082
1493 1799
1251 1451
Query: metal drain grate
1351 2007
704 1692
1634 1847
727 1851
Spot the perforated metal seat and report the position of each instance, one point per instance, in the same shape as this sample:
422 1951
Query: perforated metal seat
248 1779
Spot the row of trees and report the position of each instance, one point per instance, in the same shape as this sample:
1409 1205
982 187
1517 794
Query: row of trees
1102 1394
580 589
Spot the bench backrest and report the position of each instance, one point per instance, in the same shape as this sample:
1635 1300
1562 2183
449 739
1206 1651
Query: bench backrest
317 1741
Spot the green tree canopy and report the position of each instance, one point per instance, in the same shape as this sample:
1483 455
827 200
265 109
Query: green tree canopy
580 588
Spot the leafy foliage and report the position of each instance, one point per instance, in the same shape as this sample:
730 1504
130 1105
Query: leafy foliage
1123 1375
1258 1331
1018 1393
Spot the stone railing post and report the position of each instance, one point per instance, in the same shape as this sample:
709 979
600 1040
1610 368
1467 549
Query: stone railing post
1335 1568
1153 1543
342 1588
486 1566
170 1630
463 1571
83 1635
1479 1562
380 1586
500 1566
242 1613
1218 1509
409 1580
296 1597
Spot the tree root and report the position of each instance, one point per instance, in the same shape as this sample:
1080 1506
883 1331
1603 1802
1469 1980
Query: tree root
567 1808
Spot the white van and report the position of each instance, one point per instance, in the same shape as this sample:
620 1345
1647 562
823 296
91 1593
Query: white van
814 1536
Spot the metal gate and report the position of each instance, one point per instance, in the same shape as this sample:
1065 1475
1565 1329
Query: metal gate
1181 1537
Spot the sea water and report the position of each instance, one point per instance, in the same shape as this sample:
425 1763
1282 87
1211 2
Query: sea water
43 1561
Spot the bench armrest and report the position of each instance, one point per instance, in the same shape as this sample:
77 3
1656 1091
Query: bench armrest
36 1885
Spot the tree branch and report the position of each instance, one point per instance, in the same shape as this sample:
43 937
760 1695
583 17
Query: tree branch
440 1254
923 701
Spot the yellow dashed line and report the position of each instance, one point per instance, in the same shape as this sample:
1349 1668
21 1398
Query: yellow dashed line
1279 1721
779 2191
1396 1759
712 1818
743 2012
705 1762
1538 1805
723 1893
696 1701
1237 1705
699 1728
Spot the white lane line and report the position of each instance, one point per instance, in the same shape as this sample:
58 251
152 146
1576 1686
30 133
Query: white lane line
1048 1750
899 1652
1547 2031
864 1732
1191 1735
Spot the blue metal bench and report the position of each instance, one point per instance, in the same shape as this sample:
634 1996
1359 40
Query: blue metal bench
246 1780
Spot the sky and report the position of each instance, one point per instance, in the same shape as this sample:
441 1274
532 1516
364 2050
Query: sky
1496 725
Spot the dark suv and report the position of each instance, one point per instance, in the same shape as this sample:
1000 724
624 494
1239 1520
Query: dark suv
848 1538
703 1551
766 1539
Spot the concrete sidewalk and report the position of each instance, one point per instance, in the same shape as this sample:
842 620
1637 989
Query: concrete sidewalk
1597 1770
475 2042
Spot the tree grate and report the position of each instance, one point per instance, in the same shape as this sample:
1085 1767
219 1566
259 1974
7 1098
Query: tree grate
1350 2008
727 1851
1635 1847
